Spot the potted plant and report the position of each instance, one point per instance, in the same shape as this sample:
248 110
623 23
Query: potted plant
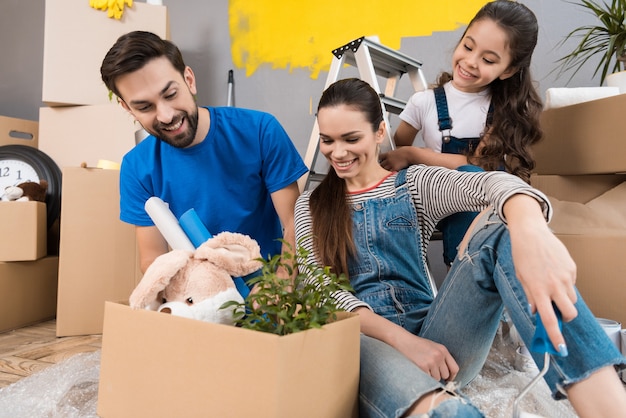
606 39
282 306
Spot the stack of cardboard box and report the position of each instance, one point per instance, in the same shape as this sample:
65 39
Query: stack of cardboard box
81 126
28 273
581 165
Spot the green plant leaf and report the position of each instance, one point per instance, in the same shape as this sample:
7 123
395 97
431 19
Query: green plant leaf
605 41
282 307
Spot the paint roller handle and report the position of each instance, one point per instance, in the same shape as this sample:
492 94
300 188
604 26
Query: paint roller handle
198 233
541 342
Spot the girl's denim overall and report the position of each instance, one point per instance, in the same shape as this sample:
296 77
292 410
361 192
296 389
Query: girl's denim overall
389 274
454 226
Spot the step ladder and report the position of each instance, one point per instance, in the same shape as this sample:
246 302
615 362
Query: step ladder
373 61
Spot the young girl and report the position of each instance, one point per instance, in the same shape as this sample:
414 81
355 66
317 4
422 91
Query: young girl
485 114
374 225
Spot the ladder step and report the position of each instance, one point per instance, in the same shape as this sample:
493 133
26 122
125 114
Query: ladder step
387 62
316 176
392 104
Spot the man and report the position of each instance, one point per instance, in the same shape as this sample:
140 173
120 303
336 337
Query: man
236 167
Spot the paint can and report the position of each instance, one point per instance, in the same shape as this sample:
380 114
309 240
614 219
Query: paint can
613 330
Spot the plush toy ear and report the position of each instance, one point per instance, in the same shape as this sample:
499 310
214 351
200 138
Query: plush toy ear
156 278
235 253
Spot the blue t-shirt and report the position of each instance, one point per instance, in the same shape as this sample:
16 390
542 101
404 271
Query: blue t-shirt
227 178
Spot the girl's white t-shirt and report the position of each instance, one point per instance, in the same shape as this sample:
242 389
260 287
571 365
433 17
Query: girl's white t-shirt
468 112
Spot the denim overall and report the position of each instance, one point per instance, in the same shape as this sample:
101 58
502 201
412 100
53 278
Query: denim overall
454 226
464 316
389 273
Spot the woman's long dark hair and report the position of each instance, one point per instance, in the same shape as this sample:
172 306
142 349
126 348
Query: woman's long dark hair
516 103
331 215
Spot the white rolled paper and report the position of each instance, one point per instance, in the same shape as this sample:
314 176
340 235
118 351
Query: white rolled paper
565 96
160 213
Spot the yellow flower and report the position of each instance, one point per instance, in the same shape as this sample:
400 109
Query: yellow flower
115 8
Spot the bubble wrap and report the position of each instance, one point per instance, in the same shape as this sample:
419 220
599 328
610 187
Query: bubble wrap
70 389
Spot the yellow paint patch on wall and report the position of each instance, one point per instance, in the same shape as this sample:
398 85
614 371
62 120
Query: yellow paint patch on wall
298 34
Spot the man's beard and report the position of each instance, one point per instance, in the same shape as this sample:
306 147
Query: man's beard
182 140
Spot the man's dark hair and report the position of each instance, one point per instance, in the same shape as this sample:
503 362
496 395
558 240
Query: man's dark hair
132 51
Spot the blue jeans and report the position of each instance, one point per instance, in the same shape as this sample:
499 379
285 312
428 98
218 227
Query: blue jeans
464 316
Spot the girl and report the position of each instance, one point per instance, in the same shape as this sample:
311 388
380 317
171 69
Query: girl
374 225
490 91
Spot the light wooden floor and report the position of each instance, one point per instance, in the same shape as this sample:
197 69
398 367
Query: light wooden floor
28 350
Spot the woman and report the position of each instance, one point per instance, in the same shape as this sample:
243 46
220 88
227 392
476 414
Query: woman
374 225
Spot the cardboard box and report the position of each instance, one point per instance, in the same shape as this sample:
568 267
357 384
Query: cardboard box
154 364
28 292
590 219
24 231
97 251
585 138
99 132
15 131
601 268
76 39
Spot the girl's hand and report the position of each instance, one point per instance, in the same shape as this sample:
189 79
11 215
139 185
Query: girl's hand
396 160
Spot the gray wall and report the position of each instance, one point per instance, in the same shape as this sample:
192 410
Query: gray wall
200 28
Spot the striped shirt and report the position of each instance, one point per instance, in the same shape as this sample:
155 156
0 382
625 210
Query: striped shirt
436 193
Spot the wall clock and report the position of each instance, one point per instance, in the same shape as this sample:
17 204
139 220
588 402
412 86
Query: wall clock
20 163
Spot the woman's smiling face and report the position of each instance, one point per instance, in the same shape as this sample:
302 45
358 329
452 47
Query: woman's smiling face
348 142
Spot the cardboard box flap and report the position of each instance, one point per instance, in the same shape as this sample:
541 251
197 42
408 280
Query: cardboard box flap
612 204
606 213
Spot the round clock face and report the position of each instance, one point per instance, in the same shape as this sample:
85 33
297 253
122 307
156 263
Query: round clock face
20 163
14 172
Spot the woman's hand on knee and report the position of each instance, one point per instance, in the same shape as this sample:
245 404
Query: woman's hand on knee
433 358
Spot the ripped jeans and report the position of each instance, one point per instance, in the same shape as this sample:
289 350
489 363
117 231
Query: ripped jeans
464 317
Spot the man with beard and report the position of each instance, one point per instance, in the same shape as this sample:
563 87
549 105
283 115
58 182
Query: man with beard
236 167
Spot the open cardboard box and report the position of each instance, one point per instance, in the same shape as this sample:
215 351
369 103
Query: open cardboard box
584 138
590 219
24 231
154 364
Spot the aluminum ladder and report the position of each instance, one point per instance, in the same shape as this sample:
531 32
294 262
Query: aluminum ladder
373 61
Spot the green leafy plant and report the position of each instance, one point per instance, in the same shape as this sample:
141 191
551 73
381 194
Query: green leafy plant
282 306
607 39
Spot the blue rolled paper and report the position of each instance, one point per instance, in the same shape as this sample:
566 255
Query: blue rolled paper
197 233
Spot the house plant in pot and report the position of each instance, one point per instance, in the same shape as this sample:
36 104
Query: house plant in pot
606 40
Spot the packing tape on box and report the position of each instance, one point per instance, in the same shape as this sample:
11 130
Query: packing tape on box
108 165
